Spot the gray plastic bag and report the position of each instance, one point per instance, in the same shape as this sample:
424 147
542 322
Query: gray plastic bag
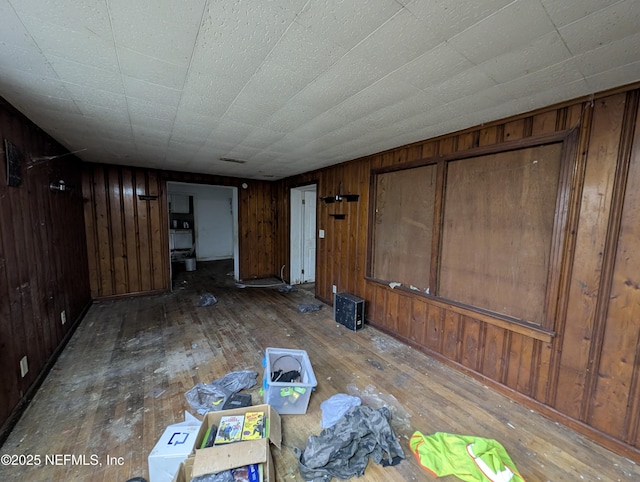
210 397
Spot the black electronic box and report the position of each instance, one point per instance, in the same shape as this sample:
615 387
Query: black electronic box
349 311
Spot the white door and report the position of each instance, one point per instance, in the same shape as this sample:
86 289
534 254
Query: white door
309 238
303 235
214 227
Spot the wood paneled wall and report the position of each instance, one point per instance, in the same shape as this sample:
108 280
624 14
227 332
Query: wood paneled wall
587 373
128 238
43 259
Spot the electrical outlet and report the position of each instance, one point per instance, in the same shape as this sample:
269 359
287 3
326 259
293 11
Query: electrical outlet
63 316
321 234
335 289
24 366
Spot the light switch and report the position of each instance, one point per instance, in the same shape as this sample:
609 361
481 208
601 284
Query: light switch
321 234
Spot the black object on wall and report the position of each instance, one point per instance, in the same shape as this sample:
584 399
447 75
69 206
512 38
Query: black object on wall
14 164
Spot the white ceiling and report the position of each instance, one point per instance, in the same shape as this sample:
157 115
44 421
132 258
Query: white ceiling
289 86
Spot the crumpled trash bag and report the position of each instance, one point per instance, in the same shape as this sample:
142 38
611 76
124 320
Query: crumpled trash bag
210 397
286 289
308 307
224 476
335 407
207 299
344 450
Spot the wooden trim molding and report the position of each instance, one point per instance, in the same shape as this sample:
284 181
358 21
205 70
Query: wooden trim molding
517 326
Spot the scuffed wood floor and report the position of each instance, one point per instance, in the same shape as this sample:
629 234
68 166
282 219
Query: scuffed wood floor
122 378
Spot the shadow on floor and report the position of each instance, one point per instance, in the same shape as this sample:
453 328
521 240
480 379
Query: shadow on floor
212 275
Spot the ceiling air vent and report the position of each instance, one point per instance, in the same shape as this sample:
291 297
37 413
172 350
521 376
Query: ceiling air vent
230 159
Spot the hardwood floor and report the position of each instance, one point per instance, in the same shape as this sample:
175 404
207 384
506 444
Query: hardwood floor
122 378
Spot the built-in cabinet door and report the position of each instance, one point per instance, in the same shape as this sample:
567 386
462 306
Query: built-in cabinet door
179 203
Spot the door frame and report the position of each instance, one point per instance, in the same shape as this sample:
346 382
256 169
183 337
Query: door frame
296 231
173 187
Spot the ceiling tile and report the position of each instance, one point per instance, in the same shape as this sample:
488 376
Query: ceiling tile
334 21
545 79
564 12
87 15
450 18
609 56
349 75
539 53
607 25
101 98
247 115
463 84
27 84
612 78
116 119
291 116
231 132
159 72
159 116
236 37
433 67
162 29
30 61
86 75
400 40
82 46
13 33
383 93
510 28
301 49
270 88
139 89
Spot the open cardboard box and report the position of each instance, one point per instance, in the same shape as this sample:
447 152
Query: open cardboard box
237 454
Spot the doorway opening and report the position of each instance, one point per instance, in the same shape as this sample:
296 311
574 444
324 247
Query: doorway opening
203 226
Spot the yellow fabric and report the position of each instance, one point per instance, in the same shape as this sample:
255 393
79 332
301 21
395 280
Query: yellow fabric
448 454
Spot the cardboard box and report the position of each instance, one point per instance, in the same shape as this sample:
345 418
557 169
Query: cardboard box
237 454
173 447
185 472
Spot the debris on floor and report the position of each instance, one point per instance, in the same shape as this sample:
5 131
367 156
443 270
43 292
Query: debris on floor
210 397
335 407
309 307
371 398
344 449
207 299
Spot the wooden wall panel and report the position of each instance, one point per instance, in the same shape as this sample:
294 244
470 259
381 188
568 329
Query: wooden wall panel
128 236
616 388
392 312
418 323
555 372
585 280
451 336
470 341
144 242
494 346
43 260
434 330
